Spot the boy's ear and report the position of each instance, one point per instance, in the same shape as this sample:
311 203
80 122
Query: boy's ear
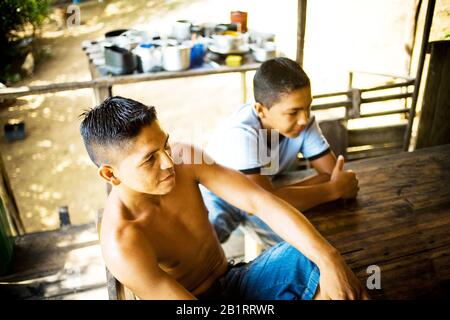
107 173
260 110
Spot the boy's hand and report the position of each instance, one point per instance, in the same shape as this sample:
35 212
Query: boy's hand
338 282
345 182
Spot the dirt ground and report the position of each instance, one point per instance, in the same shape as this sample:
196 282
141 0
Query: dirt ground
50 168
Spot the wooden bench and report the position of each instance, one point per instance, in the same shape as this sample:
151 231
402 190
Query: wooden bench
58 264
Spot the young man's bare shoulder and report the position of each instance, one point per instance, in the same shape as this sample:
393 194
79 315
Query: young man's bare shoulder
123 243
118 234
187 156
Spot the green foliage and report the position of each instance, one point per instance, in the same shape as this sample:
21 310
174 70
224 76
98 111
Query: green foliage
17 16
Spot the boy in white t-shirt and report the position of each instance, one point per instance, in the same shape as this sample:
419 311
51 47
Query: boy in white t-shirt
262 139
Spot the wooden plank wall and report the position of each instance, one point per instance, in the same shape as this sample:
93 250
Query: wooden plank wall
434 125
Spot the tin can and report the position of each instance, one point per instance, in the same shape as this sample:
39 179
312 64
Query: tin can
240 18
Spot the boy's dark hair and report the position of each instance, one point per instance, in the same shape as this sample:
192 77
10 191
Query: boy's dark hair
111 124
276 77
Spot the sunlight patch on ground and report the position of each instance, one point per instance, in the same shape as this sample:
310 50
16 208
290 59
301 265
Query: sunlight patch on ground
61 166
45 143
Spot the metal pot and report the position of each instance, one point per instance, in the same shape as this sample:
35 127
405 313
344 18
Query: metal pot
176 58
115 33
182 30
113 37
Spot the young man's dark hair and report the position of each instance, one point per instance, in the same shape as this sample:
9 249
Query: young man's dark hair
276 77
111 124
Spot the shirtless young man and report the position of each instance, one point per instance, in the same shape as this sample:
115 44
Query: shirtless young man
156 237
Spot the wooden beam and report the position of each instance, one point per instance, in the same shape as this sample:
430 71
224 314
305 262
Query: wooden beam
108 81
301 26
244 86
383 113
377 88
423 50
390 86
9 201
413 33
388 97
323 106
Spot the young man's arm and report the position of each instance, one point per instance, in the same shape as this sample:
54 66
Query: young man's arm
342 184
337 280
311 180
133 263
324 167
325 164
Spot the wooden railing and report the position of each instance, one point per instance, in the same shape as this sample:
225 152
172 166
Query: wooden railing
352 99
109 81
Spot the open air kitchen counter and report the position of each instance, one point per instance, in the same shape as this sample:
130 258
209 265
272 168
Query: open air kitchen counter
128 56
104 89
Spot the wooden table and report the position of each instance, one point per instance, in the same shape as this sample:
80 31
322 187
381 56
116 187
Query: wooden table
400 222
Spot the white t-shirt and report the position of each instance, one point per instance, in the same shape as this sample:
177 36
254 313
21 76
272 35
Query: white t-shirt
239 143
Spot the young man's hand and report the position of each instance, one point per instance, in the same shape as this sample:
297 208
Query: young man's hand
345 181
338 282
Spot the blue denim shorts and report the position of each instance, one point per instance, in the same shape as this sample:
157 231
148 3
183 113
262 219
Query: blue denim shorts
279 273
226 218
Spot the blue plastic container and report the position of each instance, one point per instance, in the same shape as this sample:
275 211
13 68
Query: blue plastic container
197 55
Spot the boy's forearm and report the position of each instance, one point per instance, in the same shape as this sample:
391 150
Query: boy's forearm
312 180
307 197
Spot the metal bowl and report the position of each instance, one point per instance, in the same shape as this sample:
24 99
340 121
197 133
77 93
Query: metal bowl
267 52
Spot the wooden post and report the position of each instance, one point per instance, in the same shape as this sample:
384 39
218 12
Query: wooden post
244 86
423 50
301 25
350 80
7 194
434 127
336 133
413 34
101 93
355 97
